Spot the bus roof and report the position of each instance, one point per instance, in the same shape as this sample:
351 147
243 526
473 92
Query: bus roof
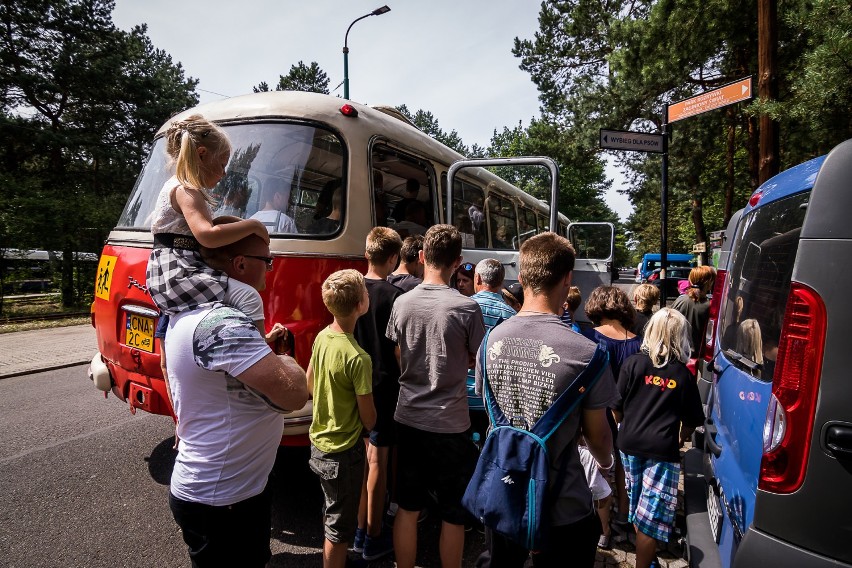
299 105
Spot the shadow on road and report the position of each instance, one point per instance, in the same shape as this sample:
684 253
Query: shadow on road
161 462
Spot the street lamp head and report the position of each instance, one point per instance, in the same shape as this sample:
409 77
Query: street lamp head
379 11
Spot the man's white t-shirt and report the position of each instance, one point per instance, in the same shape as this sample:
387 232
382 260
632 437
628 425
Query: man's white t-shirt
276 221
228 437
245 298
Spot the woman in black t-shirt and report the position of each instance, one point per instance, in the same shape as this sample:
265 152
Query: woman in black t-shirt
658 393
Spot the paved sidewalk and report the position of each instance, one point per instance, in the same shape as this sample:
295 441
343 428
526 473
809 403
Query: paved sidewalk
25 352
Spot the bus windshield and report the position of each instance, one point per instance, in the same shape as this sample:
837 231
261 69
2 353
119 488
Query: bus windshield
286 175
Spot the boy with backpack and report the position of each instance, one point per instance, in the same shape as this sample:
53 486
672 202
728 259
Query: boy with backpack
524 365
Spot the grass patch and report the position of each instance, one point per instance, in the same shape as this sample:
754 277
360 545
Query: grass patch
13 327
34 305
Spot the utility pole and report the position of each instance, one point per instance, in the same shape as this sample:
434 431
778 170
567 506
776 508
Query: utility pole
767 86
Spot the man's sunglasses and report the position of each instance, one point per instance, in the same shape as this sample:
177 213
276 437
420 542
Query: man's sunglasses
266 259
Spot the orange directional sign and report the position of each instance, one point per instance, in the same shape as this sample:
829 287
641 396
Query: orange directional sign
723 96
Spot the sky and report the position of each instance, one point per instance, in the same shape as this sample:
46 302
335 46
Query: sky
453 58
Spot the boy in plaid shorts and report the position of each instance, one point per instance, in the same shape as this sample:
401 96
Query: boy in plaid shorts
658 394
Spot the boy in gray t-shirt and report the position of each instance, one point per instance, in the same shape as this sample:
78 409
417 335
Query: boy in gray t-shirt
438 332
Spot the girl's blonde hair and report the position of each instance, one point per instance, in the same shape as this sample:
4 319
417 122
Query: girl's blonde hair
700 282
667 337
184 138
342 291
646 296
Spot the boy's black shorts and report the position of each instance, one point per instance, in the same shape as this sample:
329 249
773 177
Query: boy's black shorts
385 397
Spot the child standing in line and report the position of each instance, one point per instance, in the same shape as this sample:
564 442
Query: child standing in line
601 491
645 297
572 302
340 377
382 251
658 411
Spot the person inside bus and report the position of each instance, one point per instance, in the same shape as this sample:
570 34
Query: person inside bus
327 214
379 199
234 202
272 214
412 188
219 492
415 220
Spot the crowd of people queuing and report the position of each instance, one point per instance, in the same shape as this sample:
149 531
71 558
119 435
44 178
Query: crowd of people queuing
397 383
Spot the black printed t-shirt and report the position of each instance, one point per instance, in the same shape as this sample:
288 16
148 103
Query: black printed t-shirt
654 402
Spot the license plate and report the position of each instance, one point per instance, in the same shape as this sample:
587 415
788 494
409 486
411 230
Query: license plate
140 333
714 513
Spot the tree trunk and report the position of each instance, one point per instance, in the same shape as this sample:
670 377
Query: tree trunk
767 86
730 179
753 154
698 216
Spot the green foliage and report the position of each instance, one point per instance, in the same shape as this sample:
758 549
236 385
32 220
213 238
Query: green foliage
310 78
81 102
426 121
616 64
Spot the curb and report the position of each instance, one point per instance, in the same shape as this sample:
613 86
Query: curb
42 369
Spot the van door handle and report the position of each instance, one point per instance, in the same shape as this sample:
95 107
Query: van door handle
838 439
710 432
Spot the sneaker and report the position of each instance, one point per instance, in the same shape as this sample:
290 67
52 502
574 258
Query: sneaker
375 548
604 542
358 544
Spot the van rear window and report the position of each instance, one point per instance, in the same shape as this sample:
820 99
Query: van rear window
761 268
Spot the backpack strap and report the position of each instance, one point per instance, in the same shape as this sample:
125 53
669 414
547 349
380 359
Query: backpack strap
494 413
568 400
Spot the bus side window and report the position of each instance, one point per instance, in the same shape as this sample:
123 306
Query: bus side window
468 214
503 223
528 224
406 193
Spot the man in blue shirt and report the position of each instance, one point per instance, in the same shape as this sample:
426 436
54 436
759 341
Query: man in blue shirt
487 283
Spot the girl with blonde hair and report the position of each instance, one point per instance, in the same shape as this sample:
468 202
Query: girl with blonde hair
658 410
177 277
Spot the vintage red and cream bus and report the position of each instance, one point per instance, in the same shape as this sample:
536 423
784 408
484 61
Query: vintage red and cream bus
293 151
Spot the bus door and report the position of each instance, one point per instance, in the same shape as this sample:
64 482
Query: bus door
594 246
499 221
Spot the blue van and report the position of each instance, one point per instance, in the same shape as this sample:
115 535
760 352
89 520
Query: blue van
778 432
651 262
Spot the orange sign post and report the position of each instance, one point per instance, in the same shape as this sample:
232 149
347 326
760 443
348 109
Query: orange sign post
723 96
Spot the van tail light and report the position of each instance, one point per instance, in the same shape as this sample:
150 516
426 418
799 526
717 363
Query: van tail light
653 276
713 320
790 417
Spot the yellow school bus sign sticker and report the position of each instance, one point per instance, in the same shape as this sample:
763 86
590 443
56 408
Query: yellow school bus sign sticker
103 280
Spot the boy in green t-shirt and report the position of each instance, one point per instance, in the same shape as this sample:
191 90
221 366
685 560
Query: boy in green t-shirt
340 376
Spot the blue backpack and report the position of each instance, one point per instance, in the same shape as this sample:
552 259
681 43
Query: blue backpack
508 490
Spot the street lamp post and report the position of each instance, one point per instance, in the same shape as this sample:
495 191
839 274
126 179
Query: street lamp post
376 12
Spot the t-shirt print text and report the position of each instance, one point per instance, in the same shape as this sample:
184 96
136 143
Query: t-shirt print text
525 348
661 382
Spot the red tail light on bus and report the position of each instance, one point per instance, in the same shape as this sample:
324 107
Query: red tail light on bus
715 302
790 417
